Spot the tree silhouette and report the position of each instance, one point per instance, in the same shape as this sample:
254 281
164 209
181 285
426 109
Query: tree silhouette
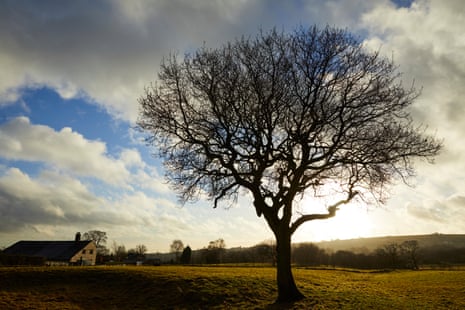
176 247
392 251
283 115
186 255
410 249
100 238
215 251
140 250
119 251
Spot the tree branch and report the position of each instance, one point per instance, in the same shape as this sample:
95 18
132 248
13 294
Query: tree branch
331 212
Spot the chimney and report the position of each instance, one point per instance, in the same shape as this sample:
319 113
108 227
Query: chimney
78 237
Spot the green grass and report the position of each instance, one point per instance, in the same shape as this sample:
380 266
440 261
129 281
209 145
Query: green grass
171 287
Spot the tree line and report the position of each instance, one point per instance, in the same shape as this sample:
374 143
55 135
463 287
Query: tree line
116 252
406 255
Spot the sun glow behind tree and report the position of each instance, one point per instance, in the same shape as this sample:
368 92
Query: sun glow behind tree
352 221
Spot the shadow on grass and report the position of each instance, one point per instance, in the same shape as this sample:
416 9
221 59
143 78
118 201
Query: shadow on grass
117 288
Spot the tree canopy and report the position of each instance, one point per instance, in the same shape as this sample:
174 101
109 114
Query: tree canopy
99 237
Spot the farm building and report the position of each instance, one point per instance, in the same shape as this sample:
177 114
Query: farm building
75 252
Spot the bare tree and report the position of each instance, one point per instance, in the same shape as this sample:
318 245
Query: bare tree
266 251
176 247
141 249
392 251
100 238
216 251
217 244
119 251
410 250
306 254
284 115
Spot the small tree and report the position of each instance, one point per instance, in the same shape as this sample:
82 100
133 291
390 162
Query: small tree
100 238
266 251
392 251
215 251
186 255
119 251
306 254
410 250
138 252
284 115
141 250
176 247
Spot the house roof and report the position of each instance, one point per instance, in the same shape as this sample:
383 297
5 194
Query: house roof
51 250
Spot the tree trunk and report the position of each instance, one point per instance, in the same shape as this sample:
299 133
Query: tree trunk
287 289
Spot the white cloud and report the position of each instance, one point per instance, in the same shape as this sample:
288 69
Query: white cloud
54 200
51 200
70 152
131 158
151 180
427 42
65 149
438 215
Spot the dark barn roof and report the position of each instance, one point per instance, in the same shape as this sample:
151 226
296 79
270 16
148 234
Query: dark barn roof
51 250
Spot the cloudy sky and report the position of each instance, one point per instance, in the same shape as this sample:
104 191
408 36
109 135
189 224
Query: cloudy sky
70 159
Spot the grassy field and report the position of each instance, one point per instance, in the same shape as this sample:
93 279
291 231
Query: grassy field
168 287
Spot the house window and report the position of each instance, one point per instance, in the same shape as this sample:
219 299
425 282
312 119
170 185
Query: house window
83 251
91 252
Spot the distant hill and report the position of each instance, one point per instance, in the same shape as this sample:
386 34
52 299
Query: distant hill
263 253
366 245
